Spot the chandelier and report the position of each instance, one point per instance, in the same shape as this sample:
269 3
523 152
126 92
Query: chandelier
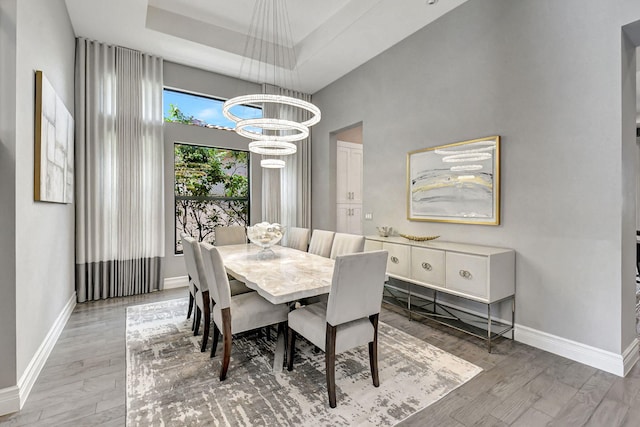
271 56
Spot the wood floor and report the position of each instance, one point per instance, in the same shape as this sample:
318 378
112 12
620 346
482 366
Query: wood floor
83 382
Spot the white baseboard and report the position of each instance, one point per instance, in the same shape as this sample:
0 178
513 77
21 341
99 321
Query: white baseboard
631 356
617 364
176 282
30 375
9 400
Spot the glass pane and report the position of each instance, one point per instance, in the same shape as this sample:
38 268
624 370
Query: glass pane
210 172
198 218
186 108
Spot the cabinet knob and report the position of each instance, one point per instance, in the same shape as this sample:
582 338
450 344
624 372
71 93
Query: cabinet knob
395 260
427 266
466 274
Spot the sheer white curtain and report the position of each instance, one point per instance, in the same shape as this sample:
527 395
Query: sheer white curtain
286 193
119 171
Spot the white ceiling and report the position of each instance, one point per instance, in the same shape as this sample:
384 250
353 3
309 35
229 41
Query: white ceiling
331 37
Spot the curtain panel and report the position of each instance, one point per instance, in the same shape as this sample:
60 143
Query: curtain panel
286 193
119 172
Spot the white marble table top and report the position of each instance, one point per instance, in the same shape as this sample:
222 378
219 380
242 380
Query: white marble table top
287 276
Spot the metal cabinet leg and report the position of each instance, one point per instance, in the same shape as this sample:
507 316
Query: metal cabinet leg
513 319
489 326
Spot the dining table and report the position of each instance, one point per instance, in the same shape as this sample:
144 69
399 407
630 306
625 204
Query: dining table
279 274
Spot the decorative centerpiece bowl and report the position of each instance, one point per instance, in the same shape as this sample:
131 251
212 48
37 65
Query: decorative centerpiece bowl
265 235
384 231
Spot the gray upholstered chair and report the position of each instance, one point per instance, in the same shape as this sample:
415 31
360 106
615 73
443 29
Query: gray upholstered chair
236 314
350 317
297 238
321 241
344 244
232 235
192 288
193 259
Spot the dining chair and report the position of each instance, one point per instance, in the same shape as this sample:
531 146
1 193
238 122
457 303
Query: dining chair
239 313
344 244
195 267
193 259
192 288
321 241
297 238
350 317
231 235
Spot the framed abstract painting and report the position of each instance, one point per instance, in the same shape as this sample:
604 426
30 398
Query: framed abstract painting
457 182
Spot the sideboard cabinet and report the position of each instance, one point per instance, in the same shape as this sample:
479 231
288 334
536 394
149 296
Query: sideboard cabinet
478 273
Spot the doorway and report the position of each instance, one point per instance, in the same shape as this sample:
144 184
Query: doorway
349 180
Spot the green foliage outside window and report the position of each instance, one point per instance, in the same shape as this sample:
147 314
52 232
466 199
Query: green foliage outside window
211 189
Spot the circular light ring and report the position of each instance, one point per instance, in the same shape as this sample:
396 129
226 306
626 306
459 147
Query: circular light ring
272 163
272 124
272 148
466 157
265 98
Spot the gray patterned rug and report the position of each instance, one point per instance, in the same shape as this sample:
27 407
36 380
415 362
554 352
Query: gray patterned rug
171 383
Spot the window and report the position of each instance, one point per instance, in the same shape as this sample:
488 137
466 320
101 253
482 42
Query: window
211 189
198 110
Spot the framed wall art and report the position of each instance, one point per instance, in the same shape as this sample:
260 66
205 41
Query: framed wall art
53 153
457 182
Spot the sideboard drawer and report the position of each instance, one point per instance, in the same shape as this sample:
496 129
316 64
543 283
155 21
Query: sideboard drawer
399 262
427 265
372 245
467 273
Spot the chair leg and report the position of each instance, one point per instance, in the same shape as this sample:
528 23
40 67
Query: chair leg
207 320
216 337
330 363
191 301
373 351
291 344
197 319
226 337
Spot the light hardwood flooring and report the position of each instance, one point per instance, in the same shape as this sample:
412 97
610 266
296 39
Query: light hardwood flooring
83 381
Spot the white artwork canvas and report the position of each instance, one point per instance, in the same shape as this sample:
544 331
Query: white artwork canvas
54 136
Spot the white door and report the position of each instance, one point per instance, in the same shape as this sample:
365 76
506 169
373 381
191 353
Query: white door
355 174
342 178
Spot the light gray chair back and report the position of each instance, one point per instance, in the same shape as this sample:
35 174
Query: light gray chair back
193 259
297 238
214 268
232 235
321 241
344 244
356 287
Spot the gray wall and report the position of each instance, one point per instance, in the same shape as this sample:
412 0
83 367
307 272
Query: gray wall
8 16
202 82
37 268
45 247
548 77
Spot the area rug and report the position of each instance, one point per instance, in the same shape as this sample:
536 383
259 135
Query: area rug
171 383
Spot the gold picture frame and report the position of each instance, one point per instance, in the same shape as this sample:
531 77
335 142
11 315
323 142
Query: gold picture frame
53 151
457 183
